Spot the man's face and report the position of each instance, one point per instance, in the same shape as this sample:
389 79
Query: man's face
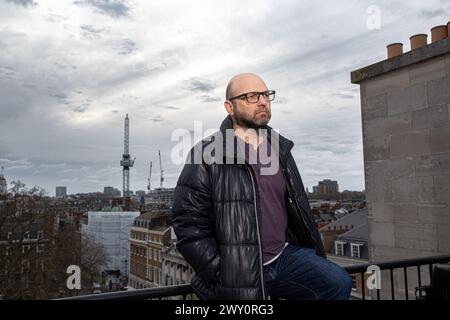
250 115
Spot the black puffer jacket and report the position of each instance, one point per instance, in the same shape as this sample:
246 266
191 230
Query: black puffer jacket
217 221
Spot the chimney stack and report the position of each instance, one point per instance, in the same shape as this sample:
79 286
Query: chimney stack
439 33
418 40
394 49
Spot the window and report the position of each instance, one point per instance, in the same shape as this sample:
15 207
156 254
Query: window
26 248
25 265
10 234
26 236
7 251
355 250
339 248
40 235
40 248
354 288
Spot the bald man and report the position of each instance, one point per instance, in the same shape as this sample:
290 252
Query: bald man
242 216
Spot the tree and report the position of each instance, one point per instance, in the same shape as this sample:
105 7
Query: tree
38 243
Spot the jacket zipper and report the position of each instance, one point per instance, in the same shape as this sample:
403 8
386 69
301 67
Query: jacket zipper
259 235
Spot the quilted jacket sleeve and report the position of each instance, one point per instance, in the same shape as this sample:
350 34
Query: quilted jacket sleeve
191 220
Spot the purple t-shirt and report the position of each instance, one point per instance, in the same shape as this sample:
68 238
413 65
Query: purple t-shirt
272 190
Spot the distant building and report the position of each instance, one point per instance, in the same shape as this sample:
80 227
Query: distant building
327 187
149 235
24 250
3 184
346 243
61 192
111 191
140 193
315 189
332 231
159 196
175 269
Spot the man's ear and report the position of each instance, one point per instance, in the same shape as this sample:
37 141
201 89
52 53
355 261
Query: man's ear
229 107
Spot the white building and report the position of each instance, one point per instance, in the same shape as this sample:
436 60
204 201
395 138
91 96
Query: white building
175 269
112 230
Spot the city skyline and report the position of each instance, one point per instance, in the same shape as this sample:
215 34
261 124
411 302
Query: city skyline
61 120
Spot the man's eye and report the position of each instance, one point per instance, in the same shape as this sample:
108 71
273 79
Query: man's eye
252 95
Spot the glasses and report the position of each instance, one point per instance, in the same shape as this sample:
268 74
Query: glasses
253 97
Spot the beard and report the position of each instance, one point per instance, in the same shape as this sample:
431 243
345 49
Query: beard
253 122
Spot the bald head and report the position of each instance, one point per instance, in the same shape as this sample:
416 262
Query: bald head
243 83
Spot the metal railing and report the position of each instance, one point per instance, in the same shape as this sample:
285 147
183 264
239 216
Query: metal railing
186 289
402 265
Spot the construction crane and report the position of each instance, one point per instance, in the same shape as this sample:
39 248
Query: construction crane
161 169
126 161
149 178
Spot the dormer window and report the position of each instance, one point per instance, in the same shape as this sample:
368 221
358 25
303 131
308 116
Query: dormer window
356 250
339 247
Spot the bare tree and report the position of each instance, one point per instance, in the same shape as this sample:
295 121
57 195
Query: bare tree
36 248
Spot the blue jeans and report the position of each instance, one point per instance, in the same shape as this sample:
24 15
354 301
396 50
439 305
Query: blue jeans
300 274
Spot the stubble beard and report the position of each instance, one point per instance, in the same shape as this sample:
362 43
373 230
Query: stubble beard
252 123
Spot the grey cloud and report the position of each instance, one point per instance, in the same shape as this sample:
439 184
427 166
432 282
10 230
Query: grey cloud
209 98
281 100
127 46
79 109
204 86
429 14
91 32
343 95
19 162
7 72
167 107
24 3
60 96
157 119
200 85
112 8
56 18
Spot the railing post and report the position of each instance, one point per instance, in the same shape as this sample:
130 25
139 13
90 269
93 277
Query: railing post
406 282
363 286
392 283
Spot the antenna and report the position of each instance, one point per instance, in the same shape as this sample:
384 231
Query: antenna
126 162
149 178
161 170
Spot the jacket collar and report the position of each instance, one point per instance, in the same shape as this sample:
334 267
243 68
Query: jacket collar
285 145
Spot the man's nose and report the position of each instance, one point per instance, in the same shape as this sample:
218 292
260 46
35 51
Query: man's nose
262 101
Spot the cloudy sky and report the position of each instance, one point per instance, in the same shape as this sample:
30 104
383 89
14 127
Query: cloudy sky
71 70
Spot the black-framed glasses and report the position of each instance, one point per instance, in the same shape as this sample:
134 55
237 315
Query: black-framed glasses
253 97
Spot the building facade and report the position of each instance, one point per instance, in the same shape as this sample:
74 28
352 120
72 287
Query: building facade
149 235
405 109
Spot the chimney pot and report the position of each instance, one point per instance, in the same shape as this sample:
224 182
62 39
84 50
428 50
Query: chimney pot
394 49
439 33
418 40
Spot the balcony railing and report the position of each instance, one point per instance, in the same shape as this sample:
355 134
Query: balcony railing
183 290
